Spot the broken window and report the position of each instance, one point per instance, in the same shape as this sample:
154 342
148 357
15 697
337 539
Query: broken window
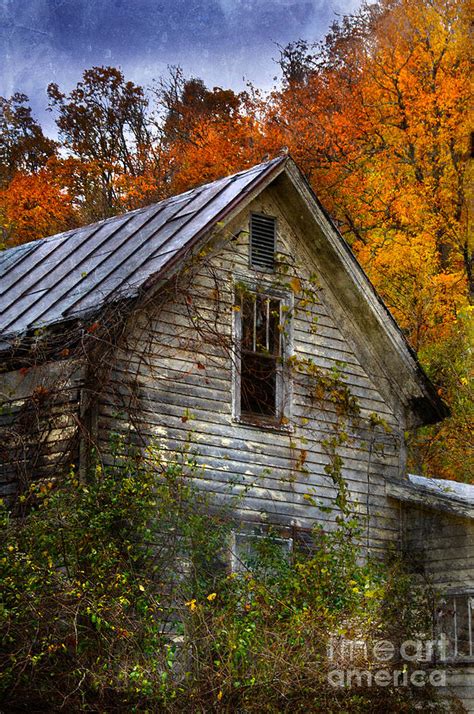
455 625
261 393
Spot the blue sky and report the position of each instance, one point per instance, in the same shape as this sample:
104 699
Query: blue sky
223 41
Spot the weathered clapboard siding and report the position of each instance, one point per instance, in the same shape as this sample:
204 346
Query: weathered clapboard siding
438 539
188 383
250 463
175 374
442 546
39 422
460 680
215 412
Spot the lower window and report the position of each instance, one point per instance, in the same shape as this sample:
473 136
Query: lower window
251 551
455 625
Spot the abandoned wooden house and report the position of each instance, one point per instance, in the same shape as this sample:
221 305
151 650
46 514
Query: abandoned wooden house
234 315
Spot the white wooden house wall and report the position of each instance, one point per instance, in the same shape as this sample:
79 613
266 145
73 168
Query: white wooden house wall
442 547
184 387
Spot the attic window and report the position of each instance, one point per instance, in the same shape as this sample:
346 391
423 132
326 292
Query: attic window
262 330
262 242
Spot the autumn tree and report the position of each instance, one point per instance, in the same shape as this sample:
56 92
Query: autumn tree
206 133
376 115
33 201
23 145
184 102
103 123
35 205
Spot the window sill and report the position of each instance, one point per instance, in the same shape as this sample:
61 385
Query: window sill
459 661
263 424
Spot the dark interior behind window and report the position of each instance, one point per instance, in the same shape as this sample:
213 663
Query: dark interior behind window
260 352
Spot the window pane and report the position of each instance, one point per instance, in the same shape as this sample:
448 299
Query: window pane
250 550
258 385
248 307
261 324
274 325
456 625
463 626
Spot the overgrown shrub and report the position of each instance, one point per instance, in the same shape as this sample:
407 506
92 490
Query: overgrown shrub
117 598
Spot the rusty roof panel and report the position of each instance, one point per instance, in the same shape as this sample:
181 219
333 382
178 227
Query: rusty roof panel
70 274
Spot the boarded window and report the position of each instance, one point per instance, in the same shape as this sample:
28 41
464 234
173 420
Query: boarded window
262 242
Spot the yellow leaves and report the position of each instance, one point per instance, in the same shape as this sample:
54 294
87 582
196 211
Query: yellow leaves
220 694
295 284
193 604
141 588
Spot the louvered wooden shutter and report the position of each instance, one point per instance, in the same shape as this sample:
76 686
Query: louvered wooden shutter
262 241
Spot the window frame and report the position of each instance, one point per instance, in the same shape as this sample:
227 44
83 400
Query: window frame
451 635
237 564
283 387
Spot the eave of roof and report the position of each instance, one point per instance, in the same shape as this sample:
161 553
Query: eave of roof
437 494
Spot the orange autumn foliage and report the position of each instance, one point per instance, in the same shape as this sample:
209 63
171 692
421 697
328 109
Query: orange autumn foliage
33 206
216 146
381 131
423 297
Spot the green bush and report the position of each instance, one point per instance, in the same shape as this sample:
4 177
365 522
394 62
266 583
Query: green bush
116 598
91 578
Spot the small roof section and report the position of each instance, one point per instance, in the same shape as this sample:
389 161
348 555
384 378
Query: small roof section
440 494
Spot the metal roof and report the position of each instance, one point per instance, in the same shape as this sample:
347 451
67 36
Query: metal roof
454 489
434 493
71 275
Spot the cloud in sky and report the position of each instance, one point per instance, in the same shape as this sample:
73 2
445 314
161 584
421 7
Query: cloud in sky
222 41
